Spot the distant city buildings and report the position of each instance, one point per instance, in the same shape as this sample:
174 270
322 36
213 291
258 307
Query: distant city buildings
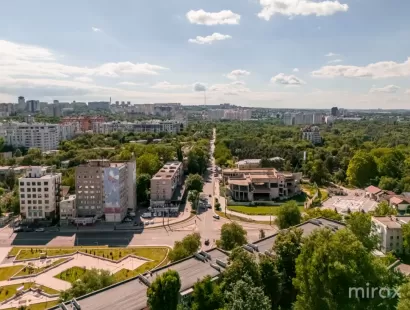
105 188
312 134
153 126
164 185
334 111
82 123
99 105
39 192
229 114
302 118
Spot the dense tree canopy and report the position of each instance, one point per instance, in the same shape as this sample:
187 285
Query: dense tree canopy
188 246
164 291
288 215
232 235
194 182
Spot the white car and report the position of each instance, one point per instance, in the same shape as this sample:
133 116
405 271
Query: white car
40 230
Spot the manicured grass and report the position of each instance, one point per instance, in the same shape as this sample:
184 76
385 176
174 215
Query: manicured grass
110 253
35 252
7 272
265 210
39 306
10 290
28 270
72 274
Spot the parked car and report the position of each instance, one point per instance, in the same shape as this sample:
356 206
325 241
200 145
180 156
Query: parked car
40 230
216 217
206 242
146 223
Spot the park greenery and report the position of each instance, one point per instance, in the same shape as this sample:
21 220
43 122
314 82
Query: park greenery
85 282
288 215
232 235
352 153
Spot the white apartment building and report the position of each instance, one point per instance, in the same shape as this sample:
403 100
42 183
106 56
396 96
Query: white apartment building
312 134
231 114
39 193
31 135
302 118
389 231
164 184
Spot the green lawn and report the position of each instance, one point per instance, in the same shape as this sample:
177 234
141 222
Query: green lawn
39 306
10 290
112 253
265 210
240 219
28 270
71 275
7 272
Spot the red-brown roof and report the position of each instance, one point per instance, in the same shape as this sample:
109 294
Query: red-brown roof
373 189
397 200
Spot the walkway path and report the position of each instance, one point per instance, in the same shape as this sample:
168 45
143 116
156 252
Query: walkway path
80 260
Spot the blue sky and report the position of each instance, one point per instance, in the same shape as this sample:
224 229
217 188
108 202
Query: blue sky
268 53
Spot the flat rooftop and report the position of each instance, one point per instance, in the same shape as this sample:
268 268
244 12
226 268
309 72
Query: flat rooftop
127 295
308 227
168 170
392 222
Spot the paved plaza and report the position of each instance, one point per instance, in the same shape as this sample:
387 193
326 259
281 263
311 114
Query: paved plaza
355 201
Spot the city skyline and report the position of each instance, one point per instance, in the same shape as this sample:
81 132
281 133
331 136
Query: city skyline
267 53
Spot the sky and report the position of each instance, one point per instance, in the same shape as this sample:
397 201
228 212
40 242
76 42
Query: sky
255 53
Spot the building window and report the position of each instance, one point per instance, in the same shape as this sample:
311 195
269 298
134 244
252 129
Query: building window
46 189
21 183
45 183
21 195
21 189
39 183
29 202
391 237
398 237
46 201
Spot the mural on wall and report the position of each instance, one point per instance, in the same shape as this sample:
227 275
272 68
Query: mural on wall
112 190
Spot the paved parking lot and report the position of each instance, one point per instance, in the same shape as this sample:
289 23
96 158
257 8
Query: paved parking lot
355 201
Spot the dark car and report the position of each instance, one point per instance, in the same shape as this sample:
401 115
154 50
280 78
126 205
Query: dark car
206 242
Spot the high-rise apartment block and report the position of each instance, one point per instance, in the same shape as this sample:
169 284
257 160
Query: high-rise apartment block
105 188
312 134
39 193
165 183
231 114
302 118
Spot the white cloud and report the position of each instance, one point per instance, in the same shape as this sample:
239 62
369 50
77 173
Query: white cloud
225 17
383 69
199 87
334 61
132 84
235 74
389 89
95 29
168 86
331 54
83 79
300 7
20 60
210 39
283 79
231 89
295 70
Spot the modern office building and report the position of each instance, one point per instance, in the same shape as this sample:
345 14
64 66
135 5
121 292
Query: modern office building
312 134
164 185
261 184
39 193
334 111
105 188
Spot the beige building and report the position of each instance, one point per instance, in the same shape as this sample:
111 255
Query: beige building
261 184
248 164
39 193
67 209
165 182
389 231
105 188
